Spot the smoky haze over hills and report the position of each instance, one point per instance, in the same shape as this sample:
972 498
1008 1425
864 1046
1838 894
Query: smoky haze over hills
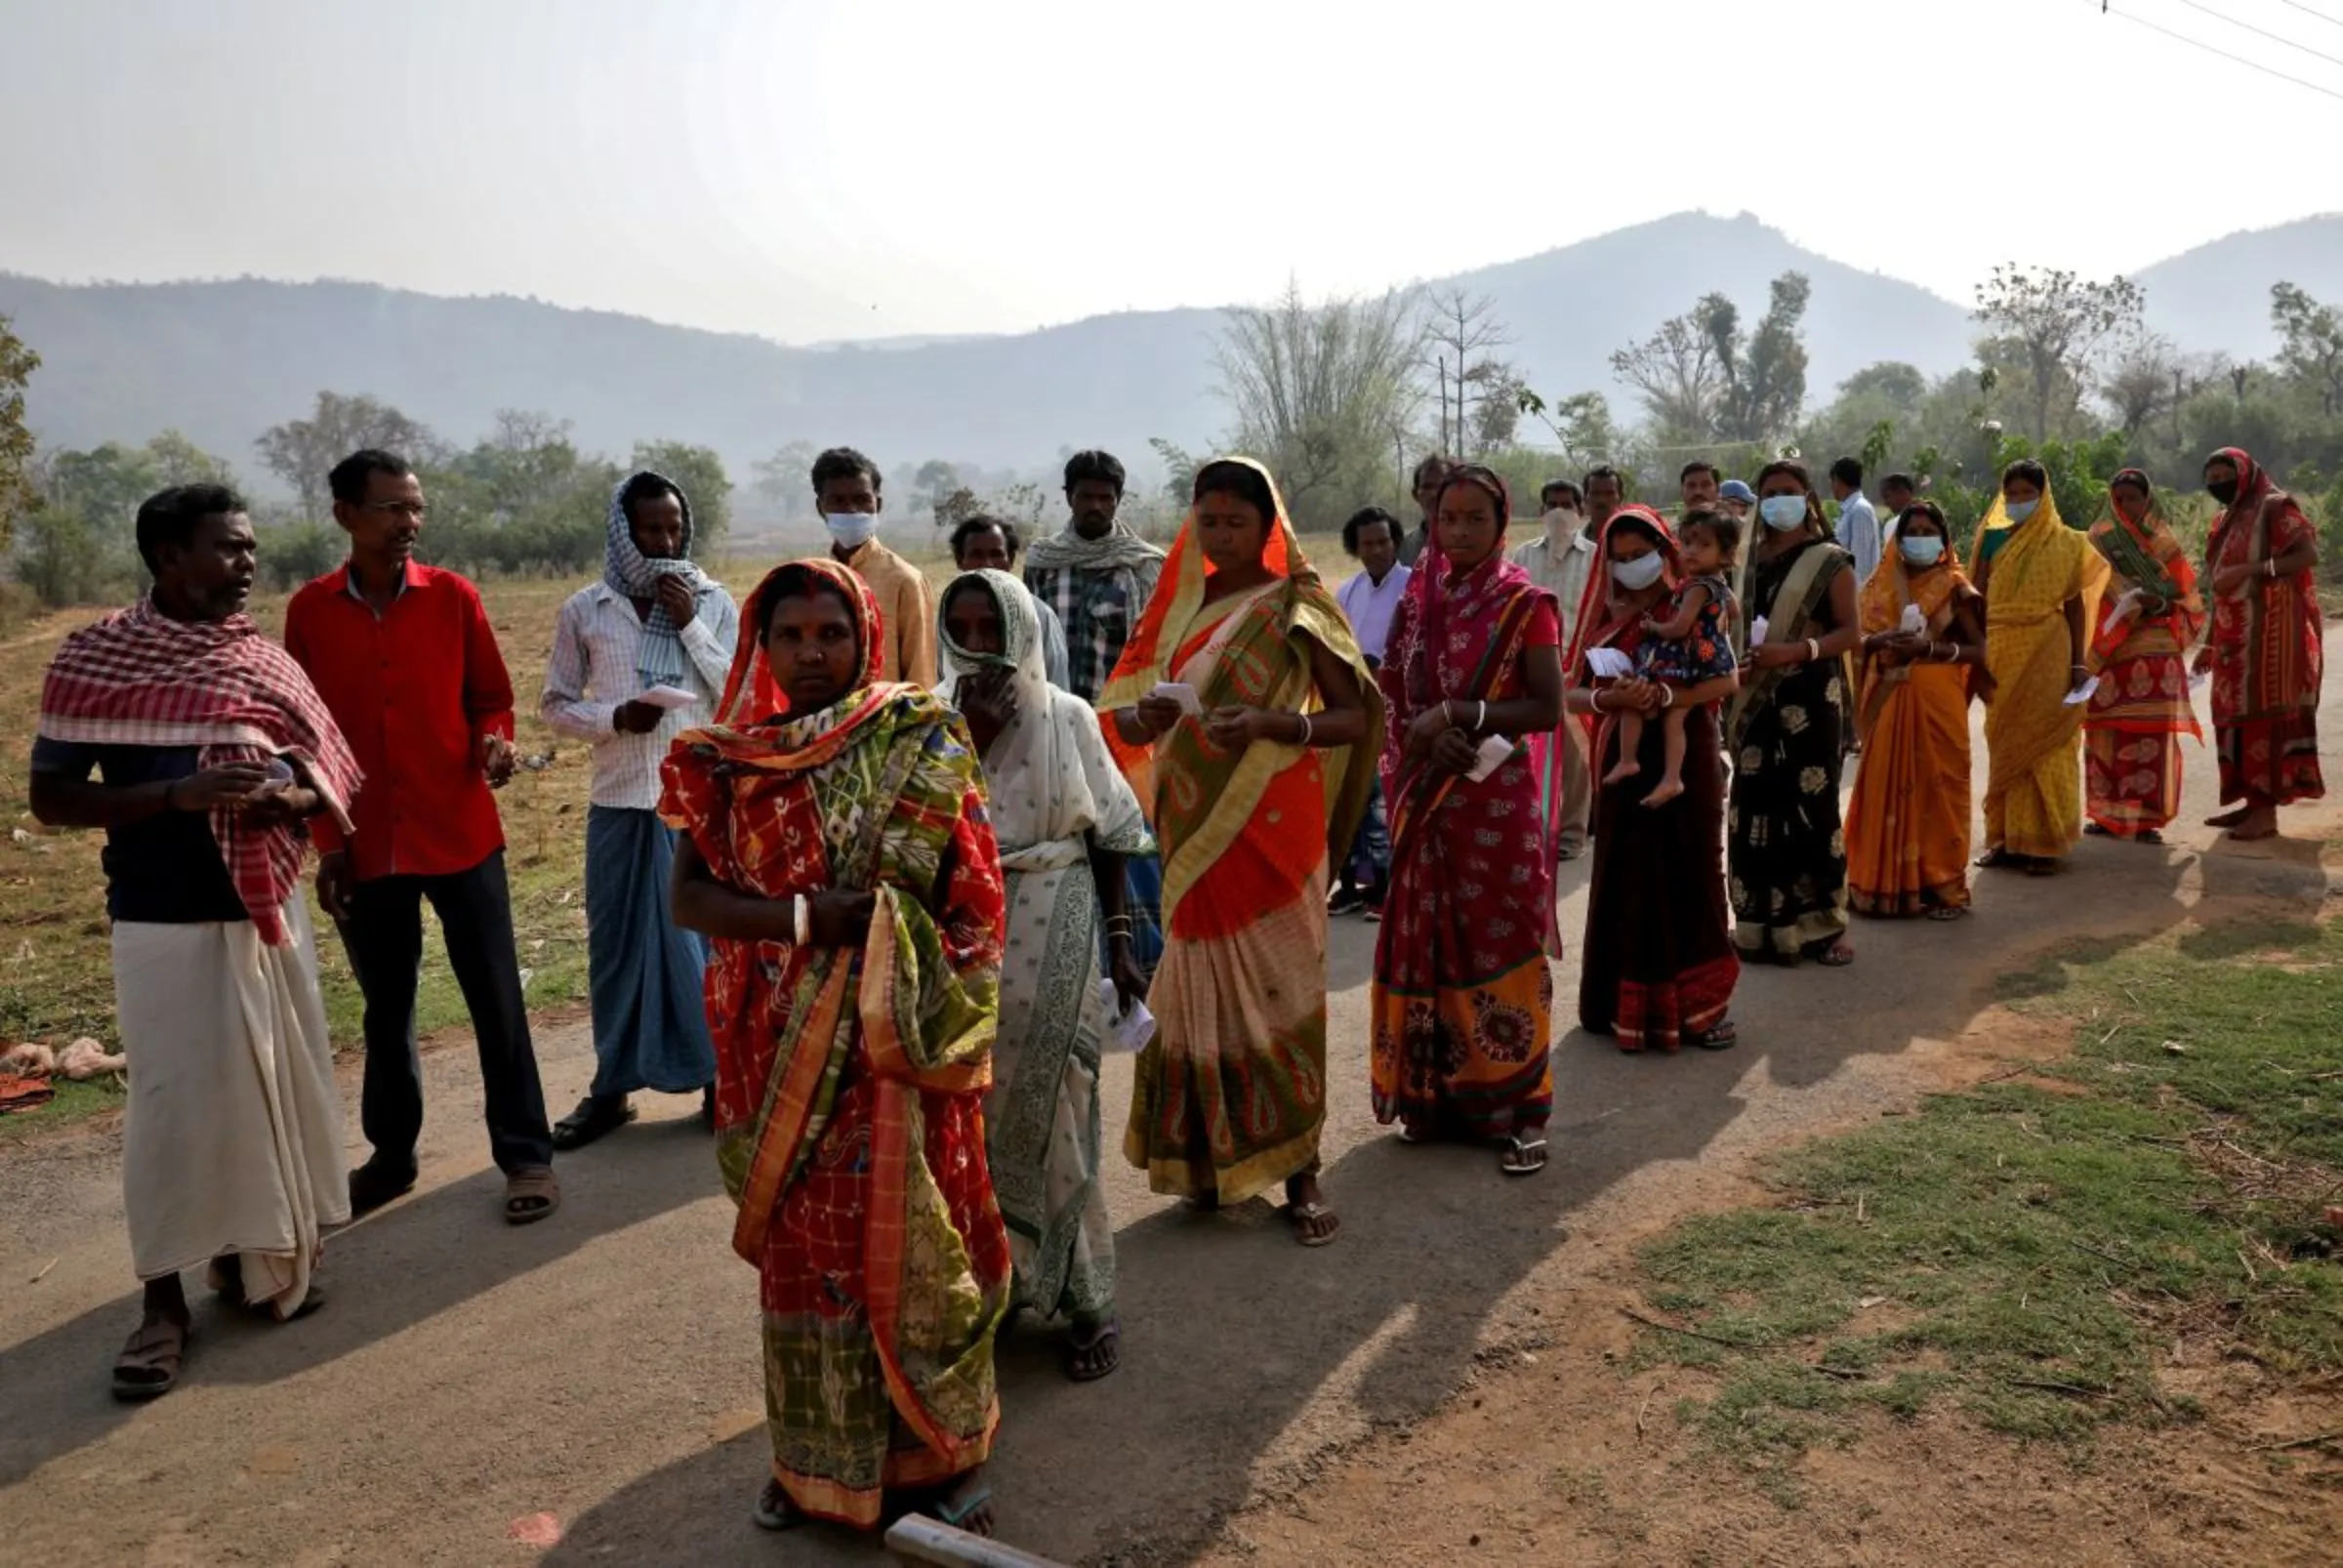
224 360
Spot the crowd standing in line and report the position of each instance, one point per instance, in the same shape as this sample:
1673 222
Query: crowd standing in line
886 926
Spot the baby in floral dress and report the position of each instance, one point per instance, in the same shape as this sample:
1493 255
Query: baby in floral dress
1685 647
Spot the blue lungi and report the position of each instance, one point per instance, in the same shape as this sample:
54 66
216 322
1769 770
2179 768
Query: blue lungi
650 1022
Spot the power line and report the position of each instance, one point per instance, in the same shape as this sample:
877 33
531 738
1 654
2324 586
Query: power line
2274 37
2198 43
2332 22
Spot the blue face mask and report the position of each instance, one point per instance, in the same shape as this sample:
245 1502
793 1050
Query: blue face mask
1783 513
2019 511
1926 550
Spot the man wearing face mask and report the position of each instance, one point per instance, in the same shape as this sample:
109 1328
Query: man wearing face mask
1559 561
846 490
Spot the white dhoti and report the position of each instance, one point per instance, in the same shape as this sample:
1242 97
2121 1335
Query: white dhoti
232 1139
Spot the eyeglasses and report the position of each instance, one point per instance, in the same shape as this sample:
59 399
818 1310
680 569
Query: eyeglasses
412 511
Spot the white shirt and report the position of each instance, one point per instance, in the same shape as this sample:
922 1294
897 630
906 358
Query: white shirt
1562 568
597 641
1859 531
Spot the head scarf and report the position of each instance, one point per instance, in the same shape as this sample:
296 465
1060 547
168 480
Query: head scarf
751 693
1040 794
1118 549
1437 609
2256 490
1996 532
2142 548
1600 621
629 571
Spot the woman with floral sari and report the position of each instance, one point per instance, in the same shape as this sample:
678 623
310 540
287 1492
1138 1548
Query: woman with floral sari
1787 853
2040 582
1065 821
1246 719
1462 1002
1908 820
2131 729
1658 967
837 854
2264 654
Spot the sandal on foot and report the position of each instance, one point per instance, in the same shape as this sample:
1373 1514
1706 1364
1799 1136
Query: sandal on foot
148 1365
774 1510
1304 1216
1724 1037
2041 867
1942 911
970 1510
1094 1352
593 1119
373 1185
2148 835
1998 858
1837 955
2096 831
1523 1156
531 1194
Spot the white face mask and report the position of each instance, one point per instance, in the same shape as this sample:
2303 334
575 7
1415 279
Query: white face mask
2019 511
1921 549
1562 522
1638 574
1783 513
852 529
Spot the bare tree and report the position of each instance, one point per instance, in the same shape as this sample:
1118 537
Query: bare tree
2056 326
2140 383
1478 392
1317 391
302 452
1678 373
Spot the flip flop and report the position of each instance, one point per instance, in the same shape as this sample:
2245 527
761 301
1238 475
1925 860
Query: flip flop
1516 1161
1724 1037
1108 1332
774 1510
148 1365
957 1514
593 1119
1302 1215
531 1194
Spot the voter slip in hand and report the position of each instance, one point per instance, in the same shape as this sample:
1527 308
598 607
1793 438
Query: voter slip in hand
668 699
2082 693
1491 754
1128 1033
1913 622
1609 664
1182 692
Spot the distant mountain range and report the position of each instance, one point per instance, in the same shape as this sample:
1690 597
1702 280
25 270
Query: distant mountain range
224 360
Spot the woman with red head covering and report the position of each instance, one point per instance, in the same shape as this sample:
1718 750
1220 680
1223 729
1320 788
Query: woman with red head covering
838 855
2264 651
1463 1002
2149 620
1658 967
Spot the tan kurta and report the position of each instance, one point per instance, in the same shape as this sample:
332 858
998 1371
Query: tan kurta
907 614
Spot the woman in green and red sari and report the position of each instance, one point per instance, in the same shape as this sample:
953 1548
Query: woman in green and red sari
837 853
2149 619
1462 1002
2263 652
1248 721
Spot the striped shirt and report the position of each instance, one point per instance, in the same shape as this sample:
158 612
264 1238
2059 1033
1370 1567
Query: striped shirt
597 641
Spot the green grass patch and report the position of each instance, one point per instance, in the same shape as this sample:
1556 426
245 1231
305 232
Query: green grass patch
2030 1253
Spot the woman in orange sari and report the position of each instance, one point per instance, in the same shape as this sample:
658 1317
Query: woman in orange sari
2139 651
1246 719
838 854
2264 653
1907 823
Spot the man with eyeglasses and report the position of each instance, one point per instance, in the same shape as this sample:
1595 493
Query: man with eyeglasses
408 665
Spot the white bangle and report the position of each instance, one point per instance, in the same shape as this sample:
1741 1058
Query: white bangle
1480 718
1305 729
802 915
1667 696
1814 649
2273 565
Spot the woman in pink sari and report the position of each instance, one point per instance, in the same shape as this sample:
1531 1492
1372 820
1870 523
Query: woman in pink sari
1462 1002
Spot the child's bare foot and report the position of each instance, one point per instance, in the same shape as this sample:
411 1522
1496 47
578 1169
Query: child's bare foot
1666 790
1627 768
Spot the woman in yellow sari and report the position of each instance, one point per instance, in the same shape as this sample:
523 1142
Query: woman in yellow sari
2139 650
1907 824
1248 721
2040 579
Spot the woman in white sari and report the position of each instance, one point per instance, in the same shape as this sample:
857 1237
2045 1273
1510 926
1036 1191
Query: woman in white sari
1065 820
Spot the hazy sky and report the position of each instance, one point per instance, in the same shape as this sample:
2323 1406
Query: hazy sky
813 168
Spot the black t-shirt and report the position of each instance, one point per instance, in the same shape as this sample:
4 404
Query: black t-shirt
164 871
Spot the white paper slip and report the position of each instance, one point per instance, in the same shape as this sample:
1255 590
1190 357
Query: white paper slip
1128 1033
1914 623
2199 677
2082 693
1756 631
1491 754
1609 664
667 697
1182 692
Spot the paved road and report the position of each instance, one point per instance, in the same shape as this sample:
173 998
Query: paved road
603 1367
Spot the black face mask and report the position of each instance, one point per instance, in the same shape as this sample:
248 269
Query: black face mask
2224 492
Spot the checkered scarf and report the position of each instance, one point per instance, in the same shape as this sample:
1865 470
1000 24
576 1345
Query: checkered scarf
140 679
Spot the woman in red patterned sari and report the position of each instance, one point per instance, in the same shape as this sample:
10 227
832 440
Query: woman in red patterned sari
2264 651
1462 1002
1659 965
2148 621
837 853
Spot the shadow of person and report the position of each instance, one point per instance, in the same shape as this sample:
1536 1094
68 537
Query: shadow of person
390 1271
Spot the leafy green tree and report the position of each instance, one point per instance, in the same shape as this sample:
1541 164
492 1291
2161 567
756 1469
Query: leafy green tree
1704 379
1765 377
302 452
2312 355
2056 325
104 485
62 560
936 483
17 365
180 461
783 480
700 471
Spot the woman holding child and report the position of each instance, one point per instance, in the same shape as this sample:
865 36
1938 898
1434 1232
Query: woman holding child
1787 854
1658 967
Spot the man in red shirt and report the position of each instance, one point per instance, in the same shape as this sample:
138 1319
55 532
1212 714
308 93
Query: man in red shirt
407 661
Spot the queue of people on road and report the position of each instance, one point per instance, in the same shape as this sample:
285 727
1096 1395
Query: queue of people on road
880 875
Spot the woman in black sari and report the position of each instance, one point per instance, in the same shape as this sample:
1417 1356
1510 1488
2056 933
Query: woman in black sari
1658 967
1788 855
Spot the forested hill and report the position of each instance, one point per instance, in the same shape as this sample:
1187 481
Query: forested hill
222 361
